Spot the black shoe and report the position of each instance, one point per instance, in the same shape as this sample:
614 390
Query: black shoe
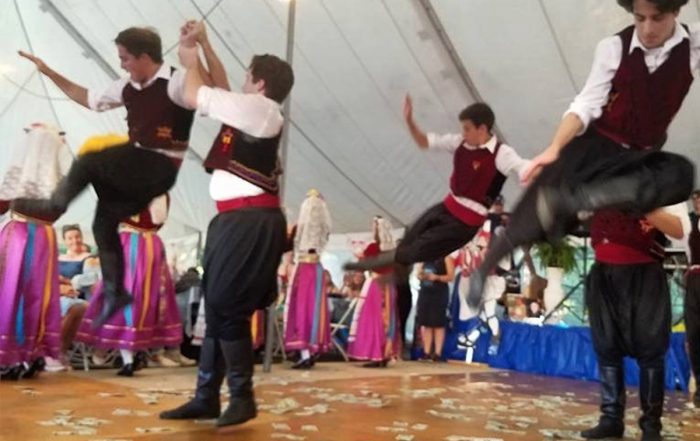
239 377
195 409
113 303
303 363
34 368
376 364
606 428
206 403
651 435
140 361
437 358
426 357
696 399
127 370
11 373
239 410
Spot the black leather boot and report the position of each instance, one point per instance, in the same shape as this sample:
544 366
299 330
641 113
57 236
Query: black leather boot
385 258
612 394
499 247
113 302
239 376
651 397
38 208
206 403
557 208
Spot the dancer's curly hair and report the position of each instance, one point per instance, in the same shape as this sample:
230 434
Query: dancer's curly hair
661 5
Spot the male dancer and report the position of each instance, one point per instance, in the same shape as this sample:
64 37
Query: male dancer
629 302
245 241
128 177
605 153
481 164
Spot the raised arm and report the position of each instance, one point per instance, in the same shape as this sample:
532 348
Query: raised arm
586 107
217 72
569 127
74 91
419 136
191 25
189 58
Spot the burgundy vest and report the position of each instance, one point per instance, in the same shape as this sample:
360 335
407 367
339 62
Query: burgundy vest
252 159
615 227
694 241
641 105
475 176
154 120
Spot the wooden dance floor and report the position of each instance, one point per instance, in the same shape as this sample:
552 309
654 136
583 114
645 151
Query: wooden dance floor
336 401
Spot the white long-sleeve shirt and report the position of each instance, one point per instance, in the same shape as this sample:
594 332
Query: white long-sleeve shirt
680 210
111 96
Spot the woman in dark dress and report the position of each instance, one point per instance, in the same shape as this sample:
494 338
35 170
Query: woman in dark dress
432 304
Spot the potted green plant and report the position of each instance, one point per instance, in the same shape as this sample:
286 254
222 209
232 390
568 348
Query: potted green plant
557 259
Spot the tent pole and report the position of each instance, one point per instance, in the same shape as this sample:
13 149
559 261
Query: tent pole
439 29
270 337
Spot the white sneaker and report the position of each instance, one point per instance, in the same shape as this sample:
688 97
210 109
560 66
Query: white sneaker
54 365
99 358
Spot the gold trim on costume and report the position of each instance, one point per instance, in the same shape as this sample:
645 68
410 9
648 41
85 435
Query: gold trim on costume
19 217
308 258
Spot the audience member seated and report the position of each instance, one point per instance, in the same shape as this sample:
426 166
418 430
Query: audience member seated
352 285
70 268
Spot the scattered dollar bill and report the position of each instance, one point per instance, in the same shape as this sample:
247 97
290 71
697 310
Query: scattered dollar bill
288 436
154 429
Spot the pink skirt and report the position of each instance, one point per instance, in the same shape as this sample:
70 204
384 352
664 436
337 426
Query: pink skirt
153 319
306 318
30 312
375 333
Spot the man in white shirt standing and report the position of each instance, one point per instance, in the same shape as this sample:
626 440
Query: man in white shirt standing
245 241
126 178
481 163
605 153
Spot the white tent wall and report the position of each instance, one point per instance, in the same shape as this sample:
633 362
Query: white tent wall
354 62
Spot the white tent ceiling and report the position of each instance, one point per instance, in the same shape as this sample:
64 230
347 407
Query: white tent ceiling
354 61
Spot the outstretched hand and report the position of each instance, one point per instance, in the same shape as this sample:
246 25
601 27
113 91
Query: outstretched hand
202 36
189 34
408 108
537 164
38 62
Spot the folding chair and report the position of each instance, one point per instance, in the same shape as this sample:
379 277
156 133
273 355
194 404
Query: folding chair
343 323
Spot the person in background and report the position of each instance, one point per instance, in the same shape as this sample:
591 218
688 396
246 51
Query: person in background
432 304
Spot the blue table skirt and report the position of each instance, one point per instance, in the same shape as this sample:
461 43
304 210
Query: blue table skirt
559 351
